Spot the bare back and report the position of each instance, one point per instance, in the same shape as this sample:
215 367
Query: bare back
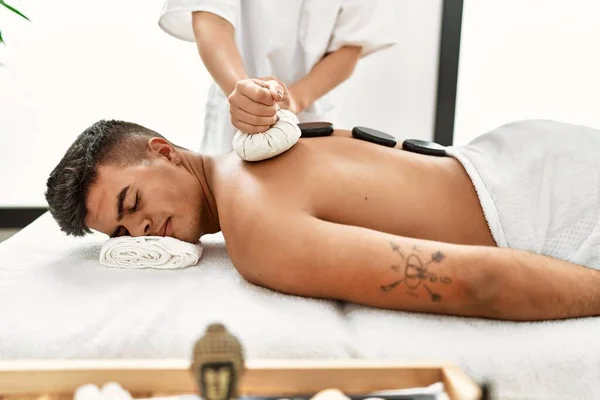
338 218
352 182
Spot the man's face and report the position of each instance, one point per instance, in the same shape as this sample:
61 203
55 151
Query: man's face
154 198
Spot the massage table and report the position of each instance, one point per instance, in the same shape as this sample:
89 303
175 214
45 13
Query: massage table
58 302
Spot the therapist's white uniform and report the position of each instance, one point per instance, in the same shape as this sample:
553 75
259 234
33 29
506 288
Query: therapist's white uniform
284 38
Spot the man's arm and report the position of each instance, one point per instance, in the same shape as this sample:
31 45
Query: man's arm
306 256
328 73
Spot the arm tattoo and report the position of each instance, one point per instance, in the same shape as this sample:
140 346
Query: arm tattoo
415 273
396 248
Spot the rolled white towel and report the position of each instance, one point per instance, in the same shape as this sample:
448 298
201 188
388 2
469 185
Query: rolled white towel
270 143
149 252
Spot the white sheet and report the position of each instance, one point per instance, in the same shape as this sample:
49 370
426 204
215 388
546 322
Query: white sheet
57 301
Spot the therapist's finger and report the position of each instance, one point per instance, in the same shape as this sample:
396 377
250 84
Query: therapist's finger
259 91
246 128
276 89
255 90
251 106
271 78
240 115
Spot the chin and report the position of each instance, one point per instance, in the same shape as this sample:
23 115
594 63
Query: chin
191 237
186 238
185 232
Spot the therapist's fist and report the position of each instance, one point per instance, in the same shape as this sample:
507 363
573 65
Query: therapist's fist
253 104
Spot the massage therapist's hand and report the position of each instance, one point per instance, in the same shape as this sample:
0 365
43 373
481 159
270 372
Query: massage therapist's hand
253 104
290 101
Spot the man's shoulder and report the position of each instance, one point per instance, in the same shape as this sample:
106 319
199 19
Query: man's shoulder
246 226
252 200
243 211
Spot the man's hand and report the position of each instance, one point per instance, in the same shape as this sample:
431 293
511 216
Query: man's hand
253 104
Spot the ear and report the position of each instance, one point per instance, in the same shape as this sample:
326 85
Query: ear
163 148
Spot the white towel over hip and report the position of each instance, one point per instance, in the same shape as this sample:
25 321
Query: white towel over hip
538 183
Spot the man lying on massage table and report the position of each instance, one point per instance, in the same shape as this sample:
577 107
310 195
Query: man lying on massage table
333 217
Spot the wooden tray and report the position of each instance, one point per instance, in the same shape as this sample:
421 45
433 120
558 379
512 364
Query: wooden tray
57 380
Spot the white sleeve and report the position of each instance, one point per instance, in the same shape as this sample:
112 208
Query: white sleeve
176 15
365 23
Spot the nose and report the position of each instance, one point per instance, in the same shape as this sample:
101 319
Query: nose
139 226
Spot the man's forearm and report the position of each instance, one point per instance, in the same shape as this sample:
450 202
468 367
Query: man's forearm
493 282
486 282
215 38
329 72
526 286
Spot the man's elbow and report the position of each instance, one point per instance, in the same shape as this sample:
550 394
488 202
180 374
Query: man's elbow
482 288
271 273
282 283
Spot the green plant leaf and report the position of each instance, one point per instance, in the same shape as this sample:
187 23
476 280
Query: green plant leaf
1 40
13 9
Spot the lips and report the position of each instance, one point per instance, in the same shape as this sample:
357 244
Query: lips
164 228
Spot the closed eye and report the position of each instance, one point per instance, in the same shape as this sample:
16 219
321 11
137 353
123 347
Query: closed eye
137 203
121 231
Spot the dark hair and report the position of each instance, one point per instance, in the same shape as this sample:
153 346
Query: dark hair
105 142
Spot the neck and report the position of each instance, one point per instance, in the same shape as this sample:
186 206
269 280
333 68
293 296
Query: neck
202 167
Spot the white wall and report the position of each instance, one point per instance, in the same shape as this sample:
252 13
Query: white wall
80 61
395 90
525 59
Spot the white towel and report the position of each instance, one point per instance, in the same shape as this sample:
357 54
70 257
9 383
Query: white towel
538 183
149 252
110 391
279 138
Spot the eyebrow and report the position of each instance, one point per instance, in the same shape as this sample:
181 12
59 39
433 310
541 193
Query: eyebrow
120 199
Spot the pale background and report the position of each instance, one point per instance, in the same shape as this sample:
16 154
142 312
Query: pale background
523 59
80 61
